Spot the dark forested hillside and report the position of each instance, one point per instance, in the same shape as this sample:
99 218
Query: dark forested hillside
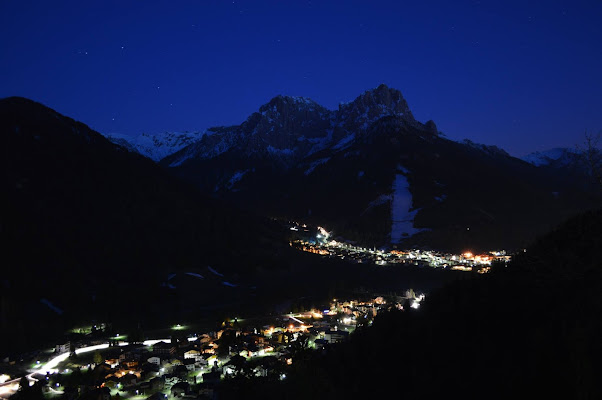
528 330
88 227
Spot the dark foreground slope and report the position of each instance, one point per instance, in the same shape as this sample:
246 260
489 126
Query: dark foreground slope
530 330
92 231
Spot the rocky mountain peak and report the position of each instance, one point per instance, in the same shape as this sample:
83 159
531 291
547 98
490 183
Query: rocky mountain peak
285 122
281 103
289 128
155 146
373 105
286 110
431 127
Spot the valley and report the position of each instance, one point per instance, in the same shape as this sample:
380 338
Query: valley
97 231
293 200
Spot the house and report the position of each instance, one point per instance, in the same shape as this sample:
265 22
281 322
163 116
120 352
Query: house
131 364
208 348
336 336
164 348
254 338
128 380
179 389
112 362
320 343
154 360
193 354
205 338
190 364
62 348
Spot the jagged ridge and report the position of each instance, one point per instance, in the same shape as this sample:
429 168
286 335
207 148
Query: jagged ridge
292 128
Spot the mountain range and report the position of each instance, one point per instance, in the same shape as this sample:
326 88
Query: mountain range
155 146
93 231
375 175
559 157
88 224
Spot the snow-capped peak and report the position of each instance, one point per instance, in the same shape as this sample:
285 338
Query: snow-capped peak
155 146
540 158
372 105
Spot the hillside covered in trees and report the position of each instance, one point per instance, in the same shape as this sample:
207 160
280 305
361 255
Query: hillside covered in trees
528 329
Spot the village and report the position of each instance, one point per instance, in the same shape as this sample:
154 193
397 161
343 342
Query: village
193 365
319 241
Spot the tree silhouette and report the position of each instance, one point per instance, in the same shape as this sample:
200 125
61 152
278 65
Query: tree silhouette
98 358
26 392
591 156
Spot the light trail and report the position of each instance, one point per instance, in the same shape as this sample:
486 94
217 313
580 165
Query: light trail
9 388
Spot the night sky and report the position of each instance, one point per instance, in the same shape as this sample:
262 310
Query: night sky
523 75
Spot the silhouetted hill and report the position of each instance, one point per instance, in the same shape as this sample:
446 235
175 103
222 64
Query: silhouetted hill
91 230
528 330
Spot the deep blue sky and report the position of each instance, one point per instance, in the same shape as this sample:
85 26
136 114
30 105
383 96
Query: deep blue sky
525 75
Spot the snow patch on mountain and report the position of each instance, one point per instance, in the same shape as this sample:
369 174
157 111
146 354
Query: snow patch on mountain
158 145
320 143
237 176
541 158
286 152
402 169
345 142
402 215
215 272
314 164
51 306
